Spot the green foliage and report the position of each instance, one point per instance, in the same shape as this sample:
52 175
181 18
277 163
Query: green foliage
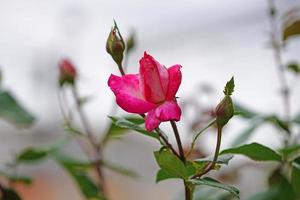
9 194
17 178
229 88
12 111
294 67
222 159
119 169
211 193
255 151
133 124
216 184
291 152
79 171
248 132
280 123
32 155
295 177
244 111
171 164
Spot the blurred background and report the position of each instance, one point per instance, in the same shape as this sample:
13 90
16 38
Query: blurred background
211 39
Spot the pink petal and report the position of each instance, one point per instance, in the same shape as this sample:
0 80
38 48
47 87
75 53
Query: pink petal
174 81
151 122
168 111
128 95
154 79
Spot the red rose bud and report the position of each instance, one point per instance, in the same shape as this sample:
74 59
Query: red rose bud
225 110
115 45
67 72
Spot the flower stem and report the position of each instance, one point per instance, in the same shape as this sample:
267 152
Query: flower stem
97 146
121 69
212 164
188 194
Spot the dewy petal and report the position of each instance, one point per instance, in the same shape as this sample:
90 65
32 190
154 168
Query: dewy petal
151 122
128 95
168 111
174 81
154 79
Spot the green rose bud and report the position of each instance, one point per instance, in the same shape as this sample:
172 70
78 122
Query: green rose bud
225 110
115 45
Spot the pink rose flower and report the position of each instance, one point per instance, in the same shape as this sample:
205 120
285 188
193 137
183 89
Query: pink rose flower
152 91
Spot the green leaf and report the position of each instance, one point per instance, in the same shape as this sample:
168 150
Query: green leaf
294 67
214 183
275 120
119 169
247 133
9 194
222 159
271 194
12 111
229 88
211 193
244 111
79 171
291 152
163 175
254 151
295 177
32 154
171 163
133 125
292 29
281 184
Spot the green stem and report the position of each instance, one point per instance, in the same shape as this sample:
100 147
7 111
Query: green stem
212 164
188 193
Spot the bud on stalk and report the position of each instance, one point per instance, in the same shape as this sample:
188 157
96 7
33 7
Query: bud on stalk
115 45
225 110
67 72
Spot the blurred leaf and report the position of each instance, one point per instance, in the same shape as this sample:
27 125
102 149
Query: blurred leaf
271 194
284 188
247 133
171 163
294 67
79 171
295 177
254 151
275 120
296 119
214 183
132 124
11 110
17 178
8 194
291 152
71 162
244 111
222 159
292 29
119 169
32 154
131 42
70 129
229 88
210 193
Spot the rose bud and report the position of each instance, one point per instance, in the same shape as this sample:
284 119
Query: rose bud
67 72
115 45
225 110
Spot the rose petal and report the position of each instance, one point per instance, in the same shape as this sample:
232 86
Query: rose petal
151 122
168 111
128 95
174 81
154 79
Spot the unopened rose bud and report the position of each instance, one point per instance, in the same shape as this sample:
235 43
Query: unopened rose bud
115 45
225 110
67 72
